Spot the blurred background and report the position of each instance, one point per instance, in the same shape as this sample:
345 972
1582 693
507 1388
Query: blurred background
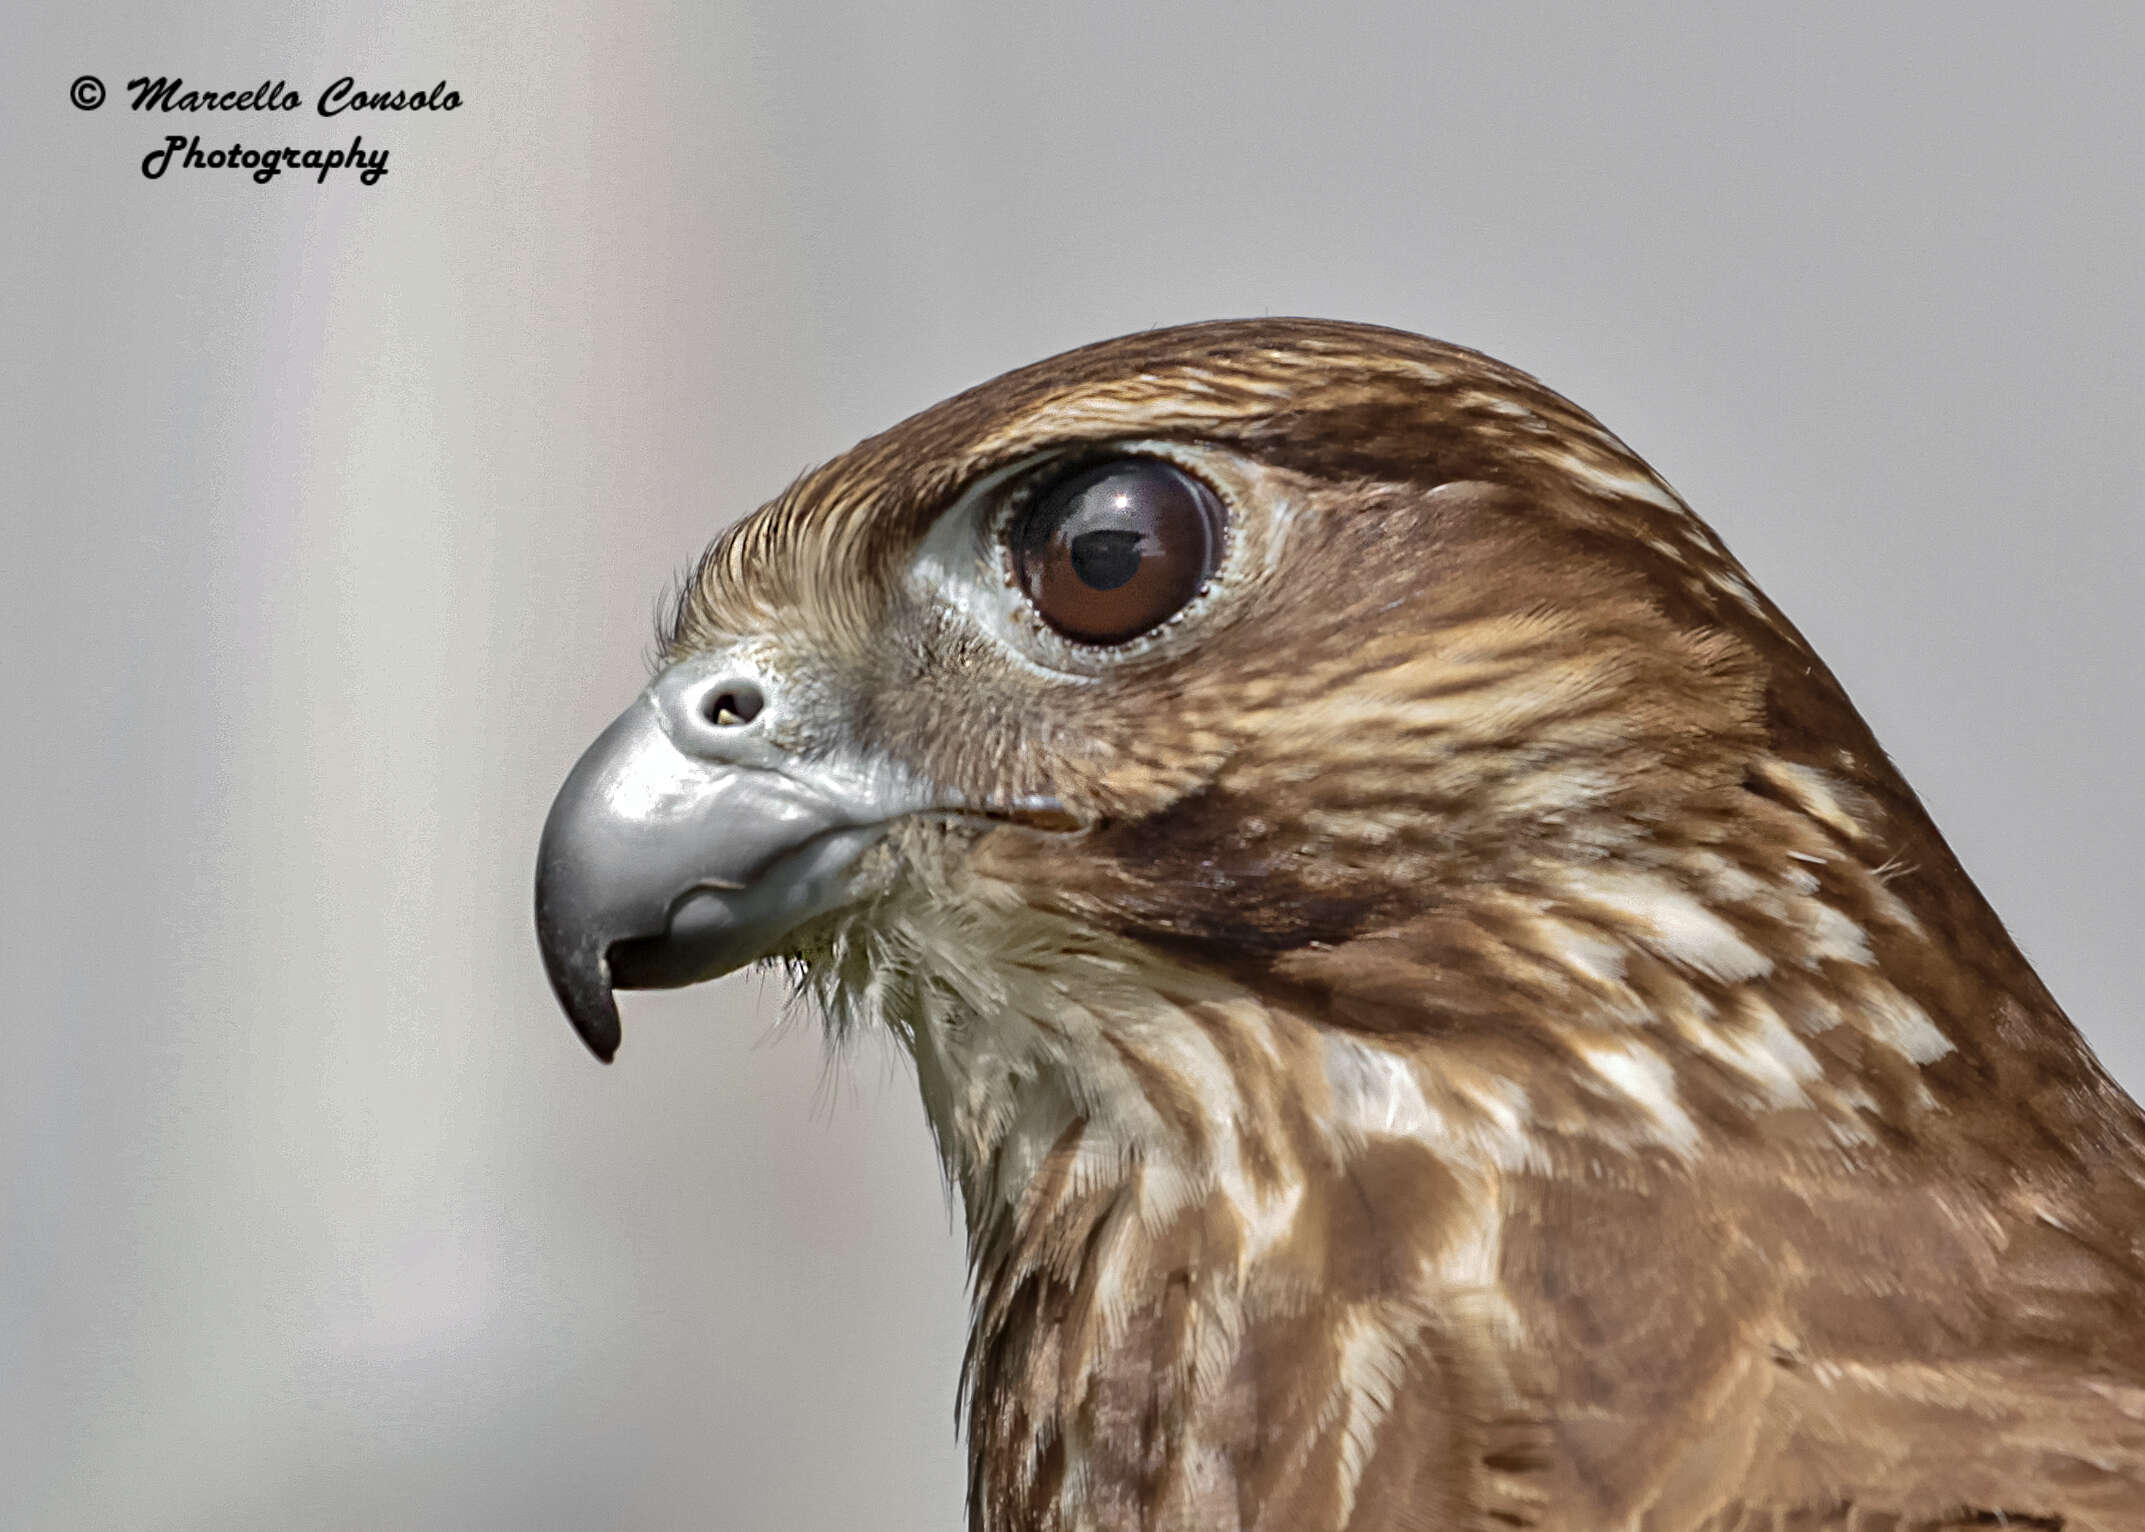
335 517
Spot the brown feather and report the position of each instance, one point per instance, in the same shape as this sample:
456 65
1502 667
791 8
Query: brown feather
1504 1047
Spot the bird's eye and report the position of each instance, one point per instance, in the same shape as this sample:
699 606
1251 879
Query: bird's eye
1113 550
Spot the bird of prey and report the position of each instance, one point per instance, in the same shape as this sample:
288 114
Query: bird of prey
1437 1010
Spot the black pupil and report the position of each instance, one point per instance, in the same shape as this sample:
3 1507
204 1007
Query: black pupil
1106 559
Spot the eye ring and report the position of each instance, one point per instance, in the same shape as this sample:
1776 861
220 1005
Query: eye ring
1108 550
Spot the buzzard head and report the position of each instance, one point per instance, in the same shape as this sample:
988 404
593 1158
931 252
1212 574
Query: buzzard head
1339 837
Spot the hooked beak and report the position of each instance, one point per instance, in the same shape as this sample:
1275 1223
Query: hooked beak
685 843
710 820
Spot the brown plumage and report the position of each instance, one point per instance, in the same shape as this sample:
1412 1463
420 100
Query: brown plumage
1477 1033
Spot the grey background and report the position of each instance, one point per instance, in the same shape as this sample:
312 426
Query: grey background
334 518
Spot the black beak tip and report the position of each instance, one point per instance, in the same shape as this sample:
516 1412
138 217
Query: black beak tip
585 994
598 1026
594 1013
582 982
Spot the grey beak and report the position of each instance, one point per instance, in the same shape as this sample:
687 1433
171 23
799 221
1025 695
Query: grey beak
679 849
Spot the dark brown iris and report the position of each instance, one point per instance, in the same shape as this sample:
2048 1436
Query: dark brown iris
1111 551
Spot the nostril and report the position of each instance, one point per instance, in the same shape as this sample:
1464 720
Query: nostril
731 704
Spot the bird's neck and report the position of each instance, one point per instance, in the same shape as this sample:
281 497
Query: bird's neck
1224 1224
1188 1292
